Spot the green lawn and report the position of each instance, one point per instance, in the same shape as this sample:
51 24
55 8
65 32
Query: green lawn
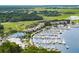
19 26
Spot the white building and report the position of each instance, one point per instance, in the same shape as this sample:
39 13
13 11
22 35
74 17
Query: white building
72 18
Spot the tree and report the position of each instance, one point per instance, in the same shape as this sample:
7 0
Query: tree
9 47
1 30
1 27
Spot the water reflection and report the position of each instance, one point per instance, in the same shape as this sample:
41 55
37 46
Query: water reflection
72 39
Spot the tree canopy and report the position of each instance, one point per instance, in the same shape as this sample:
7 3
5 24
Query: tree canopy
9 47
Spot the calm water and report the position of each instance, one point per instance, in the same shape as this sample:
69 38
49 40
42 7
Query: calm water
72 39
70 36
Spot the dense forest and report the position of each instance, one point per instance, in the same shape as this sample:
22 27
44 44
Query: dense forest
27 16
13 17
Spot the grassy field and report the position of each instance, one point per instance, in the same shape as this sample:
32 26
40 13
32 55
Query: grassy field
18 26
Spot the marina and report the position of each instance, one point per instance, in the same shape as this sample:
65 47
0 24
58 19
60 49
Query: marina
50 37
55 38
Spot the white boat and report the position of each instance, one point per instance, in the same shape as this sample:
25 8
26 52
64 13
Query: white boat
67 47
63 42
